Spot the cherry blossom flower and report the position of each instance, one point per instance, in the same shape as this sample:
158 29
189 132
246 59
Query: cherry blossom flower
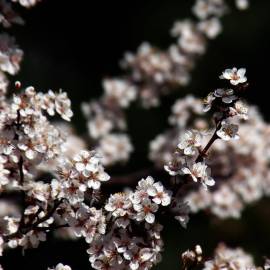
27 3
226 203
86 161
1 246
8 16
3 173
114 148
227 95
160 196
10 55
145 211
234 75
208 102
60 266
241 110
242 4
122 231
199 171
183 109
206 8
62 106
230 258
119 204
99 127
211 27
120 91
228 132
190 143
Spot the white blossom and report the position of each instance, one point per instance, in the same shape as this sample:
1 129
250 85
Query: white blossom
27 4
60 266
242 4
211 27
190 142
227 95
234 75
114 148
119 204
160 196
228 132
10 55
120 91
145 211
199 171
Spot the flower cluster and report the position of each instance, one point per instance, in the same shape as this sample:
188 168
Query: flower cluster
27 137
224 257
242 172
115 148
133 240
84 221
151 72
123 230
107 125
28 140
79 174
230 258
10 55
190 157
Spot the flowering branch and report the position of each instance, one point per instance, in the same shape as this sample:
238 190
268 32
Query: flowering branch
25 228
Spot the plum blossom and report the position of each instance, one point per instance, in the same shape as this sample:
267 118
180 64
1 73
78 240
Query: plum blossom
60 266
242 4
208 102
229 258
10 55
227 95
228 132
199 171
27 3
234 75
3 172
115 148
82 172
211 27
207 8
120 91
241 110
145 210
190 143
86 161
119 204
122 230
160 196
1 246
87 222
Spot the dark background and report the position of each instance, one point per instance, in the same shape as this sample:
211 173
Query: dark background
74 44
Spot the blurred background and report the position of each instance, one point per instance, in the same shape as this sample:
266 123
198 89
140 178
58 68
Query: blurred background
74 44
